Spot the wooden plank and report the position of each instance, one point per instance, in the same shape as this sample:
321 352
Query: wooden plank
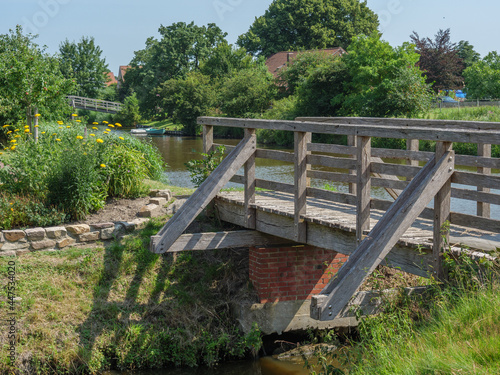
300 182
363 174
275 155
471 221
332 176
378 166
382 238
331 162
352 141
274 185
249 178
208 138
223 240
474 179
477 196
332 149
332 196
202 196
412 145
404 122
422 133
402 154
442 204
483 209
238 179
394 193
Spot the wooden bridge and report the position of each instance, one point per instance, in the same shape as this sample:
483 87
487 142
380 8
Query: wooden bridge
404 233
94 104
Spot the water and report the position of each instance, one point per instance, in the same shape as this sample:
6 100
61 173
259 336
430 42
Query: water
176 151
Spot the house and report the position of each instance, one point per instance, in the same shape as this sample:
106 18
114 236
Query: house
110 79
280 60
121 74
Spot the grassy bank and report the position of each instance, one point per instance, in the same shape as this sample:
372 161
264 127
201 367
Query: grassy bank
88 310
163 124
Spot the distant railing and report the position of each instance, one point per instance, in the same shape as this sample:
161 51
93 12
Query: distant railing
94 104
467 103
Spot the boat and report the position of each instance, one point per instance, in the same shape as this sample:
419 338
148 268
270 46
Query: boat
139 131
153 131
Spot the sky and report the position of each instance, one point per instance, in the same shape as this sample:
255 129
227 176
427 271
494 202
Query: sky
121 27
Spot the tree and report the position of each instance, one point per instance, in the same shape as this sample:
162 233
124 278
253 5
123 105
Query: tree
440 60
129 115
82 62
185 99
467 54
29 79
224 60
180 50
308 24
482 78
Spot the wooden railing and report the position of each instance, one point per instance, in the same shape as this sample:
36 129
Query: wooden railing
94 104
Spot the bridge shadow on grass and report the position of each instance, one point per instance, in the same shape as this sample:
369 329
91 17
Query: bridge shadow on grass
109 319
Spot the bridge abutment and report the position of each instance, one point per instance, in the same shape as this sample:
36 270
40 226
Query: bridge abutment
292 272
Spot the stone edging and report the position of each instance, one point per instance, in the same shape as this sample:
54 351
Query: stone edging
17 242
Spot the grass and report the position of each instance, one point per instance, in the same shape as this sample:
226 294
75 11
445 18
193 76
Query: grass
489 114
164 124
89 310
176 190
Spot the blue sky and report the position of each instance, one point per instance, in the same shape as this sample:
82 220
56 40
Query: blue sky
121 27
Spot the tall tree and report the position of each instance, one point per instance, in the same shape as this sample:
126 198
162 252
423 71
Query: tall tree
29 78
308 24
467 53
482 78
440 60
82 62
180 50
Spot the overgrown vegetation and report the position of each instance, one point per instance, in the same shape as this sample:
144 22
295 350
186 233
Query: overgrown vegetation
67 173
122 307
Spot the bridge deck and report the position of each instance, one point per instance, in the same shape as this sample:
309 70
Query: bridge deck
339 216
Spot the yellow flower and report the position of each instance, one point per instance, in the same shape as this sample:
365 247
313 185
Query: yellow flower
111 126
1 153
92 135
16 130
105 122
79 137
43 132
99 140
105 133
26 126
58 140
37 115
5 126
26 130
68 126
103 165
94 128
12 209
84 153
78 120
95 123
36 126
10 131
121 138
60 127
108 130
17 136
119 125
13 141
13 148
54 133
74 115
60 122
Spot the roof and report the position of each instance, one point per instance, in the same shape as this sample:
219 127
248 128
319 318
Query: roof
279 60
123 69
110 78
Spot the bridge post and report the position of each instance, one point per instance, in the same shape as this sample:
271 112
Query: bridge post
352 141
363 187
250 213
442 202
208 138
301 139
484 150
412 145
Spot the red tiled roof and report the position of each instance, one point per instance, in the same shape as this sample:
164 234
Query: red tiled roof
279 60
111 79
123 69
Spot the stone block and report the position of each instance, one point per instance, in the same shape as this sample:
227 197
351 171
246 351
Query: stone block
102 226
108 233
78 229
46 244
139 223
35 234
14 235
19 245
22 252
65 242
7 254
159 201
149 210
153 192
164 194
124 226
91 236
2 239
56 232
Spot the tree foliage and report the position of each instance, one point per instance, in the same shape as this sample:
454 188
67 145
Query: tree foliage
467 53
440 59
130 114
308 24
224 60
180 50
482 78
29 78
82 62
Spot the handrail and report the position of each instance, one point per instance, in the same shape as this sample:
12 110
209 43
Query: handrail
94 104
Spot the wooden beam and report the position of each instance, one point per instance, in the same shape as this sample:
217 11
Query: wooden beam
412 145
202 196
352 141
300 181
223 240
383 237
208 138
483 209
442 210
363 187
249 185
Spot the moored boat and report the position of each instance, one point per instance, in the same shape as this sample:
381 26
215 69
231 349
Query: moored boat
153 131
